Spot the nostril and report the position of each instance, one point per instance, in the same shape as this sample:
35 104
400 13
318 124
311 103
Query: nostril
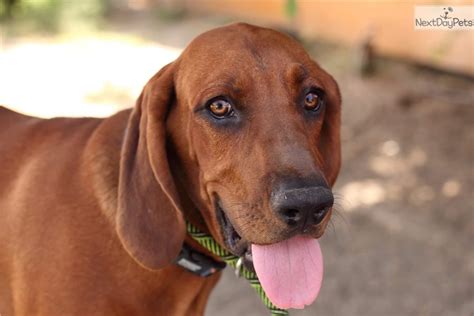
318 216
291 216
291 213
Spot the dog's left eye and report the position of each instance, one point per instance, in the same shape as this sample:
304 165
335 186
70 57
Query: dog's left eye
220 108
312 101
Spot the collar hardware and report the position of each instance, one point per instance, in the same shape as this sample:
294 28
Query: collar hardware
235 262
198 263
238 267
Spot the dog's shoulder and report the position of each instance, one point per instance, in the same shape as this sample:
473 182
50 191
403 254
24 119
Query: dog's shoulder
9 118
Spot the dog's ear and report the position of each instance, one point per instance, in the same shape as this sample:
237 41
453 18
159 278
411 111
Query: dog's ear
149 220
330 139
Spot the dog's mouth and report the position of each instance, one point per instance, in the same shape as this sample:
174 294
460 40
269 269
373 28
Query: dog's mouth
234 242
290 271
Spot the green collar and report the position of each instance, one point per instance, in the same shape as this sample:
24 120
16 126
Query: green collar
212 246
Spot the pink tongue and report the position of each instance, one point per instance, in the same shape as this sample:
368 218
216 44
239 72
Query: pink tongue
291 271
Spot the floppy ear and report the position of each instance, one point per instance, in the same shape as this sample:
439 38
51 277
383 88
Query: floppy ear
149 220
330 139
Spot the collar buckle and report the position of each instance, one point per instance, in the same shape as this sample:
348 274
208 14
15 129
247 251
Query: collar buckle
198 263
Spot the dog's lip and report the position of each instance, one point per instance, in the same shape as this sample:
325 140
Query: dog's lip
232 239
237 245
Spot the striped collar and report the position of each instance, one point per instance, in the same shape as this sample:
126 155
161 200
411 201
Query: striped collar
203 265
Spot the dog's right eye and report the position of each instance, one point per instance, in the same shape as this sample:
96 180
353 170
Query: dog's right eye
313 101
220 108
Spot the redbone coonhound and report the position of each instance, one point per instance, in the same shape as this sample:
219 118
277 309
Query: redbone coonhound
239 136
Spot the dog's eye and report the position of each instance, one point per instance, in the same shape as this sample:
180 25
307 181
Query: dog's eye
220 108
312 101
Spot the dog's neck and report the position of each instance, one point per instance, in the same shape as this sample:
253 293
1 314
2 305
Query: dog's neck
105 148
104 170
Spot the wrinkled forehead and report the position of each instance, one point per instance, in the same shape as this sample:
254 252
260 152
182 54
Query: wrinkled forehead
238 51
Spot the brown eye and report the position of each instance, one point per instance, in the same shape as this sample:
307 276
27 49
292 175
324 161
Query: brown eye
220 108
312 102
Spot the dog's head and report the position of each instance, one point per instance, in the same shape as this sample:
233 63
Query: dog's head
243 124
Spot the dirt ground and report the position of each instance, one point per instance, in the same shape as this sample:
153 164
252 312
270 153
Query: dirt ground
401 242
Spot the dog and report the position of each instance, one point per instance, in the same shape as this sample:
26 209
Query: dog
239 136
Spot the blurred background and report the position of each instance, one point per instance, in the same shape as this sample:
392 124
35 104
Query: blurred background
401 242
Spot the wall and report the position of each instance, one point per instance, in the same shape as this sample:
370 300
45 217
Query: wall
348 22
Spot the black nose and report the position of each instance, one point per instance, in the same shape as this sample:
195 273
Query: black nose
302 206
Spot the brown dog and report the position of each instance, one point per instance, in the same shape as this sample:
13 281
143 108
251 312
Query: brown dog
240 136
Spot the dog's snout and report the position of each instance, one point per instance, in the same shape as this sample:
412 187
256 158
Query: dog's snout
303 206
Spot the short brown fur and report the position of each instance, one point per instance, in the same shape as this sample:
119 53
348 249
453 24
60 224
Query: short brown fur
92 210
